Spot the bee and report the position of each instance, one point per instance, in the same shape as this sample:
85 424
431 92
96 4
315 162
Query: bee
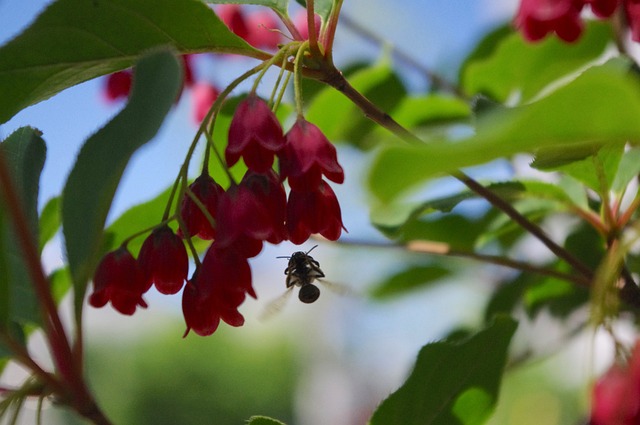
302 271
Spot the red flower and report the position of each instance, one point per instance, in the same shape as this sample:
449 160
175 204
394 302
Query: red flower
216 291
537 18
208 192
300 21
255 134
119 279
118 85
632 9
270 194
204 94
616 395
232 16
311 212
188 78
164 260
263 30
603 8
306 156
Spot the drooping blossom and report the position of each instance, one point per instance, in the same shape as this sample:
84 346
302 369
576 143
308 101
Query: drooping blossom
537 18
307 156
310 212
632 10
270 194
120 280
255 135
234 18
208 192
203 96
118 85
263 31
164 260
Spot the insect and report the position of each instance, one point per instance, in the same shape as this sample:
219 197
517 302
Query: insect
302 271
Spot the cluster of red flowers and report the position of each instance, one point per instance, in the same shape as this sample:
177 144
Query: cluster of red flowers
238 220
616 395
537 18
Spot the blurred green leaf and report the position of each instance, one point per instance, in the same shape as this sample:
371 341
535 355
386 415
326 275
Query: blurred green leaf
507 296
322 7
449 377
485 48
601 105
60 280
101 37
24 152
263 420
340 119
280 5
50 221
407 280
628 169
101 162
517 67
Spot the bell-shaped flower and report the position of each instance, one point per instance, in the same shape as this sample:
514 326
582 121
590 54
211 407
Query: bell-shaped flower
270 194
307 156
255 135
234 19
204 94
208 192
119 279
537 18
164 260
118 85
264 32
310 212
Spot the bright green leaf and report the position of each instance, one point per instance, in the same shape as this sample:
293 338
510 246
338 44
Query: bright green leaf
322 7
601 105
280 6
93 181
407 280
517 67
446 371
24 152
76 40
50 221
263 420
628 169
60 281
340 119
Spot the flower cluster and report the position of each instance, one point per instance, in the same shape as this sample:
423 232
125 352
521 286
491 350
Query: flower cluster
537 18
616 395
238 220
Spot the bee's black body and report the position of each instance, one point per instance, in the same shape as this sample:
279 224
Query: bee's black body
302 271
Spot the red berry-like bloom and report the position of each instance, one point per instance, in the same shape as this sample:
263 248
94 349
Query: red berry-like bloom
270 194
255 135
537 18
263 30
307 156
118 85
234 19
189 78
603 8
216 291
164 261
208 192
119 279
310 212
204 94
616 395
632 9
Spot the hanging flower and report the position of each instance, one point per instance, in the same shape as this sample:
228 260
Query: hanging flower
164 261
208 192
537 18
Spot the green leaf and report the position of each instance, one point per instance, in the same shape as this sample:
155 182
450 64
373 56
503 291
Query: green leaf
340 119
93 181
60 283
76 40
322 7
50 221
628 169
24 152
407 280
452 382
517 67
601 105
281 6
263 420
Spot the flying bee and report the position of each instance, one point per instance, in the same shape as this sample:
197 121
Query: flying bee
302 271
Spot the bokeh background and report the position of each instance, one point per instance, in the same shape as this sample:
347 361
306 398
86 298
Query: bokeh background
330 362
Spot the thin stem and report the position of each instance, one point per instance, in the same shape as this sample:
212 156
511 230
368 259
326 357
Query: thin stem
311 24
335 79
297 78
330 30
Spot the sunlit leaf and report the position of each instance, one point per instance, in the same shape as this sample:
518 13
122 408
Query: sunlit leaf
522 69
24 152
279 5
76 40
628 169
449 376
263 420
93 181
601 105
407 280
50 221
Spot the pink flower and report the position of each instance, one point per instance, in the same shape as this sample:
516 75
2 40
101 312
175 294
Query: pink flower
216 291
632 9
310 212
234 19
164 260
300 21
208 192
119 279
263 30
255 135
537 18
204 94
307 156
118 85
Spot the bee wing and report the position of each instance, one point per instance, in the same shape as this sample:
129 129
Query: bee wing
337 288
275 305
